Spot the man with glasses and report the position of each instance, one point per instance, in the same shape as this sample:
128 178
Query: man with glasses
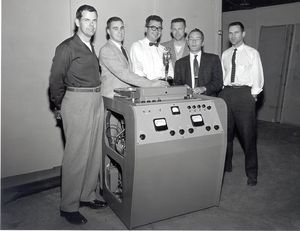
147 54
177 45
200 70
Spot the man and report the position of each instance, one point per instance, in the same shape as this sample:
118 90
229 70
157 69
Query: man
177 45
243 81
75 90
147 54
199 70
115 62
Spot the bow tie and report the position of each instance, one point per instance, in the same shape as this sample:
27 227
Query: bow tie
153 44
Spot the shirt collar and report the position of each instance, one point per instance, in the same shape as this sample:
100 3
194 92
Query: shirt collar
241 47
115 43
199 54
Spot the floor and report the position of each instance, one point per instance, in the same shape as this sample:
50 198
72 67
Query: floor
274 204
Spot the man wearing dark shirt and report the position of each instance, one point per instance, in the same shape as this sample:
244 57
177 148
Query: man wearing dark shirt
75 91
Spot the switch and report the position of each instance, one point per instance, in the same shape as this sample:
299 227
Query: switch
181 131
191 130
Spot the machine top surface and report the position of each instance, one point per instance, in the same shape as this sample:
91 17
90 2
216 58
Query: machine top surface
154 94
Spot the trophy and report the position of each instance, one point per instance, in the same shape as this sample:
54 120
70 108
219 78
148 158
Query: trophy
166 61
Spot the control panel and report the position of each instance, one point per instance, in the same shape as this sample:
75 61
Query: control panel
176 120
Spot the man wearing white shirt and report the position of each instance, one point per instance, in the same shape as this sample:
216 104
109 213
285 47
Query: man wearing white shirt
200 70
243 81
147 54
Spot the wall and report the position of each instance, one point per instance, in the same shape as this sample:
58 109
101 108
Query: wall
254 19
203 14
31 29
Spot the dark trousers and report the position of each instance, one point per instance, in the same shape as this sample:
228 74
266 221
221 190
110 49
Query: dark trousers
241 119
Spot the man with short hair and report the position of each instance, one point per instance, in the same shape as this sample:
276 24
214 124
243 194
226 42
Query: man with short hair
199 70
243 81
147 54
75 91
177 45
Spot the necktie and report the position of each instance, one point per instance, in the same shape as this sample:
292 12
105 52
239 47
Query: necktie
196 68
124 52
233 66
153 44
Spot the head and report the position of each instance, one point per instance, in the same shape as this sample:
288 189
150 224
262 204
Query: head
236 33
86 21
178 29
195 40
115 29
153 27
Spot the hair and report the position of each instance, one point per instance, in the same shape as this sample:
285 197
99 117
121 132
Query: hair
154 18
113 19
108 23
79 13
237 24
179 20
83 8
197 30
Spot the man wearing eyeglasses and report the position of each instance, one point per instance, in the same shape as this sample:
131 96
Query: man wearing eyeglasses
200 70
147 54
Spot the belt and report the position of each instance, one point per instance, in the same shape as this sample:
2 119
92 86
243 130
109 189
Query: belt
84 89
238 86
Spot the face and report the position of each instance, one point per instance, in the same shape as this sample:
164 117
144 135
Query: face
178 30
236 36
153 30
87 24
116 31
195 42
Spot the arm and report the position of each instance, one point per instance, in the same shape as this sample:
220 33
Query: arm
60 66
136 55
216 82
257 75
120 70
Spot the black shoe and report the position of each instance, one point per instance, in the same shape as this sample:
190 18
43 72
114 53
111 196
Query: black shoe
74 217
251 181
228 168
96 204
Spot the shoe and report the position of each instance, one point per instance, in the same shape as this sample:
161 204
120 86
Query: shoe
73 217
251 181
96 204
228 168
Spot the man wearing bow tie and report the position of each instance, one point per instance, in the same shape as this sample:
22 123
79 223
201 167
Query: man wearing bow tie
147 54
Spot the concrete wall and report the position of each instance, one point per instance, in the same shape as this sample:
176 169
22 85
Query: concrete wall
31 29
264 16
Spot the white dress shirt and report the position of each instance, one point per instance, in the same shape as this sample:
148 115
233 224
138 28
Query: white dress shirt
192 56
148 60
248 71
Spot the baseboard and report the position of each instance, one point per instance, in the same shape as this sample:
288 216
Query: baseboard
14 187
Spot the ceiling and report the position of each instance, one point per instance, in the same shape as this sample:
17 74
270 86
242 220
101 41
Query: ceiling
231 5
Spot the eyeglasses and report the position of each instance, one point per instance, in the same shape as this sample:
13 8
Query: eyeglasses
155 28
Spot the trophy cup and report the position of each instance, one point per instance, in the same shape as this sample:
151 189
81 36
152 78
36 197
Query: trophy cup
166 61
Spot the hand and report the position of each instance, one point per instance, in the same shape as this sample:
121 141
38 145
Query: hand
57 114
255 97
160 83
200 90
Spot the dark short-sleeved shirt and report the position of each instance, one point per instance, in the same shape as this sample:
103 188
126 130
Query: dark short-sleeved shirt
74 65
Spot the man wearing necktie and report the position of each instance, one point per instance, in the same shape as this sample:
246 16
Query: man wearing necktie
147 54
200 70
243 81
